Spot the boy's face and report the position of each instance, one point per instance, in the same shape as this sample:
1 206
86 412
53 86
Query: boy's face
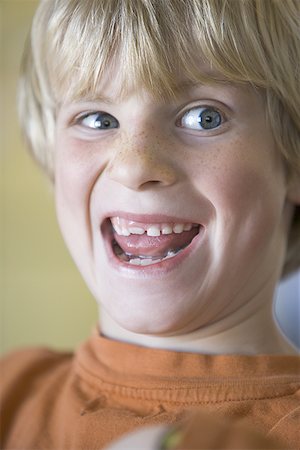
208 159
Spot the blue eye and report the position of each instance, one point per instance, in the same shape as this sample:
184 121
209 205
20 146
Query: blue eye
201 118
99 121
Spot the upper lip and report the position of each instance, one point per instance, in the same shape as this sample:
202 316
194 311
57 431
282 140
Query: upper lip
148 218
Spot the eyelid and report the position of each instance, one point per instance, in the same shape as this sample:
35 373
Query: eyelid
79 118
75 119
221 108
200 106
206 103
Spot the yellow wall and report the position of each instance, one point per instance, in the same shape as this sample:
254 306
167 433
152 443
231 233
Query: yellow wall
42 297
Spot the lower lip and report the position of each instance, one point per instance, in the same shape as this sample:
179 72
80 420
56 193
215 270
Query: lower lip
154 270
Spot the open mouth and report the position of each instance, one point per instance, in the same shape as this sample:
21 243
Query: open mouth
144 244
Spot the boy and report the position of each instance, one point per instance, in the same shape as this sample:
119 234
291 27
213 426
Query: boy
171 132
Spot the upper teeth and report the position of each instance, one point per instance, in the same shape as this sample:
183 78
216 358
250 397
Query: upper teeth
125 227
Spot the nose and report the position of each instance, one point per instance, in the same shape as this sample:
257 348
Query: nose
139 162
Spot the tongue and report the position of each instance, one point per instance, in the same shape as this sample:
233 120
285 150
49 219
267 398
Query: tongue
155 246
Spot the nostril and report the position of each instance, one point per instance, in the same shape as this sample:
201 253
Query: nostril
150 184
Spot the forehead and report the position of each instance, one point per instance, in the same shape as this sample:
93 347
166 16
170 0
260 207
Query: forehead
115 86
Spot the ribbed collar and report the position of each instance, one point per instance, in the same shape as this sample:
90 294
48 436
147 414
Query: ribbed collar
149 373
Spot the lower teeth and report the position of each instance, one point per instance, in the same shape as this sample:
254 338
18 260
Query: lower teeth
143 261
140 260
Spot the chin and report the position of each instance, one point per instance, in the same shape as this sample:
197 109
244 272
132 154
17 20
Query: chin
153 323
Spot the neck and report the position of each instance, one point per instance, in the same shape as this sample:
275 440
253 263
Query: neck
244 332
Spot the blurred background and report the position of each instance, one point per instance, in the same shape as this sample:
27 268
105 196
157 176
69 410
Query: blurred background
43 300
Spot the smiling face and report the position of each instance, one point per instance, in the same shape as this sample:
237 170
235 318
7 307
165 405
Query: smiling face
199 184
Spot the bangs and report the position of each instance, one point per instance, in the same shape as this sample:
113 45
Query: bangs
154 45
76 46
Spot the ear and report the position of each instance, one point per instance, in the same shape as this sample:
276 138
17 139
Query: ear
293 189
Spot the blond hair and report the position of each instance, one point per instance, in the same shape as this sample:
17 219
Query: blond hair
74 42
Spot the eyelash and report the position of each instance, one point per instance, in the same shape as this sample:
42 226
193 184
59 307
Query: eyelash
79 120
215 117
195 119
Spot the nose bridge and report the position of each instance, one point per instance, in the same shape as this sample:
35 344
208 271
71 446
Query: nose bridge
142 158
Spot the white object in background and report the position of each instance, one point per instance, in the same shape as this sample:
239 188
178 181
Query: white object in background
147 438
287 307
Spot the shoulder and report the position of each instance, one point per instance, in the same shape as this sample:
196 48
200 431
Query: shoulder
21 369
28 378
31 360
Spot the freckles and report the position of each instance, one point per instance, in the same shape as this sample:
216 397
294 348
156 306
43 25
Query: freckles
233 173
205 164
146 148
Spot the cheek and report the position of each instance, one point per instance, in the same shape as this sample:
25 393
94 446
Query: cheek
77 168
252 183
245 182
249 206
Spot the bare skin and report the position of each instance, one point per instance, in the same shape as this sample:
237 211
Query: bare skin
229 178
241 333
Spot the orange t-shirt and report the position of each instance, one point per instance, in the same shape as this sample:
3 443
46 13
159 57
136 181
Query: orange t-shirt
56 401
